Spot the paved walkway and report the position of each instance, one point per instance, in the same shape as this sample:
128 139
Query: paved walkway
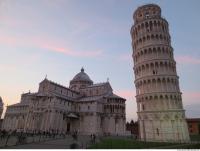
12 140
83 142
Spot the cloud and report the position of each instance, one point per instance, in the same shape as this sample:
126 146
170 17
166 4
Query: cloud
127 94
74 53
125 57
47 44
186 59
192 110
6 68
8 21
8 40
191 97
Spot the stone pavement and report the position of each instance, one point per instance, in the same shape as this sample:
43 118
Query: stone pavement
83 142
12 140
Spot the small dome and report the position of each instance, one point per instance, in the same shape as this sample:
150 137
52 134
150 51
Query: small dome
81 77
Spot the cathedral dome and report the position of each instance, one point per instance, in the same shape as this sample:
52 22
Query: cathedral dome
81 76
80 80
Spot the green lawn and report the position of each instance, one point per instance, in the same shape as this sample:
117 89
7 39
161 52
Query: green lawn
116 143
185 146
195 137
111 143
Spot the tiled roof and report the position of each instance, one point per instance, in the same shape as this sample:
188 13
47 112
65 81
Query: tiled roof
90 98
81 76
97 84
18 105
59 85
115 96
98 97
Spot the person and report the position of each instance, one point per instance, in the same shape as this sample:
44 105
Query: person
91 138
94 138
76 134
73 135
3 134
9 133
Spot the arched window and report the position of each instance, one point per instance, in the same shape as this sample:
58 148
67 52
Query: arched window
158 23
146 24
143 107
155 24
142 25
152 37
156 37
161 37
139 28
150 25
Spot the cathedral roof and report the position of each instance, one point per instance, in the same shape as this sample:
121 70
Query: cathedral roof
98 97
115 96
19 105
97 84
81 76
1 101
91 98
58 85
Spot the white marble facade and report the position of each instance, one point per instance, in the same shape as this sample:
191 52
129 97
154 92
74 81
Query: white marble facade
161 115
84 107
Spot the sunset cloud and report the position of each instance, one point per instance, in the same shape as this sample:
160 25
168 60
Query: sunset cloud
125 57
191 95
186 59
8 40
9 21
6 68
50 46
127 94
70 52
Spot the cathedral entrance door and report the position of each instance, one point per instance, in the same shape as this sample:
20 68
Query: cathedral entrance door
68 127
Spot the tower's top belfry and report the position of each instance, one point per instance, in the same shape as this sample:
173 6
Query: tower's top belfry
147 11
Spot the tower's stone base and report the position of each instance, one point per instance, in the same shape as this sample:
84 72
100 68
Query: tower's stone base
163 127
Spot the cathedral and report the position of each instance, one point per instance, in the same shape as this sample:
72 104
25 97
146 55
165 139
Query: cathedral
84 107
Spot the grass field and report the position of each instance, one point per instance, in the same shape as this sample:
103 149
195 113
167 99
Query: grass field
115 143
195 137
185 146
110 143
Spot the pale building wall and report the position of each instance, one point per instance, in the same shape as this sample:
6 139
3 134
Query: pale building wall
88 124
49 110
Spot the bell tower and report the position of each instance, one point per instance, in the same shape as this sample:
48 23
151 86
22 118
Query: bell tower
159 103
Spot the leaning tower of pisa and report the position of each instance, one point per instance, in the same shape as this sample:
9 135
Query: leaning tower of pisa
161 115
